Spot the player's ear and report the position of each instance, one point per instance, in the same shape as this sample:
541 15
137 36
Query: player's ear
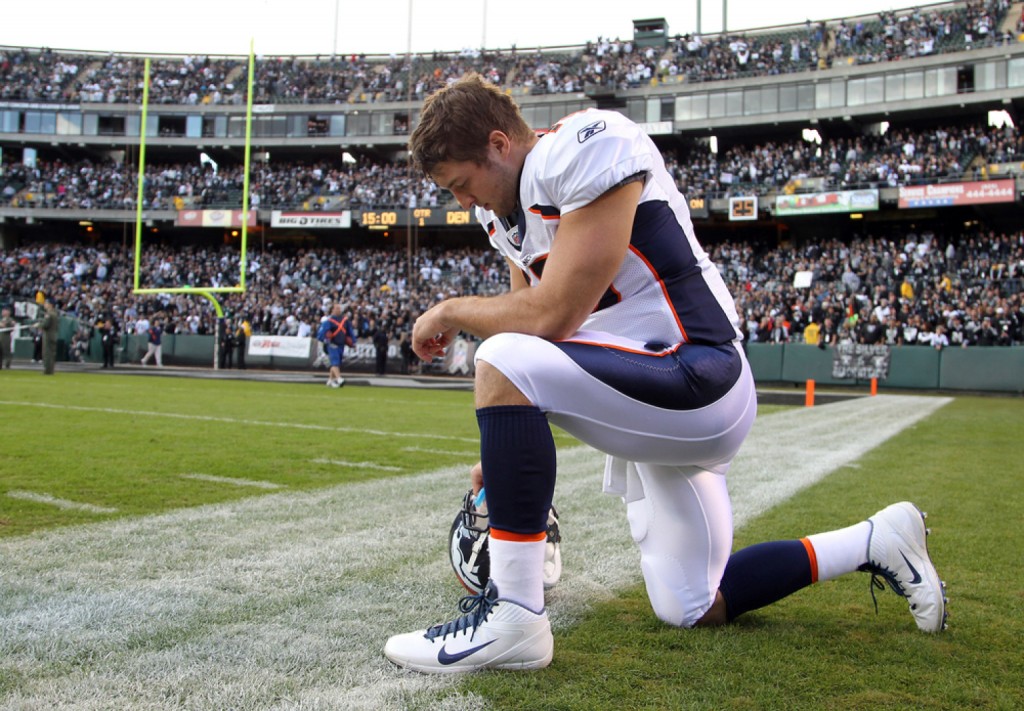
500 141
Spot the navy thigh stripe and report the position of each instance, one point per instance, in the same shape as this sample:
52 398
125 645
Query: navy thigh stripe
658 236
688 378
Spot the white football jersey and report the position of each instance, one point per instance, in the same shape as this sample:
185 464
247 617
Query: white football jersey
667 290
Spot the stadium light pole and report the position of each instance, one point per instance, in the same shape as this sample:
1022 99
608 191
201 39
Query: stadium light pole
334 51
410 221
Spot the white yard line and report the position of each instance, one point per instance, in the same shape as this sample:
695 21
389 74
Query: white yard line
285 600
232 481
442 452
237 421
59 503
357 465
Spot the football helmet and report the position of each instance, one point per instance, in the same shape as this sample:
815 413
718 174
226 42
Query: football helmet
468 547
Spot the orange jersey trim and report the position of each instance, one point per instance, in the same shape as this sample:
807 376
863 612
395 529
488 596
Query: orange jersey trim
534 211
518 537
812 558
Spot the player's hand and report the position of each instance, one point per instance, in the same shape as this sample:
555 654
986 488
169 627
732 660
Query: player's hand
476 477
431 335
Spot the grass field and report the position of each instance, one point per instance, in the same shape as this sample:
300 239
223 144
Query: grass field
172 543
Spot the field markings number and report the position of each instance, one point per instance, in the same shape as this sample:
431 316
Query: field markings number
59 503
285 600
232 480
238 421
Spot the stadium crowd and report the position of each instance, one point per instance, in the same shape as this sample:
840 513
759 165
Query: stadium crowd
318 185
288 291
901 156
48 76
916 290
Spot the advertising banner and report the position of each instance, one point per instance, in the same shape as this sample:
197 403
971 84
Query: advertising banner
280 346
312 220
213 218
950 194
818 203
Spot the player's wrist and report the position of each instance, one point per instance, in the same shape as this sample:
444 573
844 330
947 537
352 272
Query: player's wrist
449 314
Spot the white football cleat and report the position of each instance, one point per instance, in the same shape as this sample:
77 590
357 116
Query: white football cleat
898 554
494 633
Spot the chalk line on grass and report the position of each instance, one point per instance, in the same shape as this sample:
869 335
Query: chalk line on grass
356 465
41 498
237 421
442 452
233 481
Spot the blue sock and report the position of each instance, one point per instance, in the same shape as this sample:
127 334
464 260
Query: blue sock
764 573
517 452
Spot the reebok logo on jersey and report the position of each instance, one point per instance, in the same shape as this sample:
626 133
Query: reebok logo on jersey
591 130
443 657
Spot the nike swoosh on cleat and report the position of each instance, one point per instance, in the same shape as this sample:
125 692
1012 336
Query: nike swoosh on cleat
917 575
444 658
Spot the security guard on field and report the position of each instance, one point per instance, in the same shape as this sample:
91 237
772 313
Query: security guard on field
48 325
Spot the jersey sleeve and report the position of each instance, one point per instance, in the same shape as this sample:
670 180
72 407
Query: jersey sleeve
593 154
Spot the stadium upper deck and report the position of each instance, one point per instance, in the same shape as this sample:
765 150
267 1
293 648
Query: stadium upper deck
940 65
73 77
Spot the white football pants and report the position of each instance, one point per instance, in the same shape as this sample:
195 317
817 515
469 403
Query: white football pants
668 465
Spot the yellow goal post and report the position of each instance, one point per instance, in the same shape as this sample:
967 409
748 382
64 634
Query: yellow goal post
204 291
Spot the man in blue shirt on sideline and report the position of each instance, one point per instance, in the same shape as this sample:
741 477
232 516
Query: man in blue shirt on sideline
154 344
336 332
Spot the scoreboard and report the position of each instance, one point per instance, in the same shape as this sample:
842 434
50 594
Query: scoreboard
421 217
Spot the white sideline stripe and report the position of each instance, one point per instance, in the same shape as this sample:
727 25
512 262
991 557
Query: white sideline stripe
232 480
357 465
291 596
442 452
59 503
236 421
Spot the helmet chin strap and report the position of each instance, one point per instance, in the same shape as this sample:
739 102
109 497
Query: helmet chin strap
477 547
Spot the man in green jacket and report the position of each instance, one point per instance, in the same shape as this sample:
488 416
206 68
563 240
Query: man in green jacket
48 325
